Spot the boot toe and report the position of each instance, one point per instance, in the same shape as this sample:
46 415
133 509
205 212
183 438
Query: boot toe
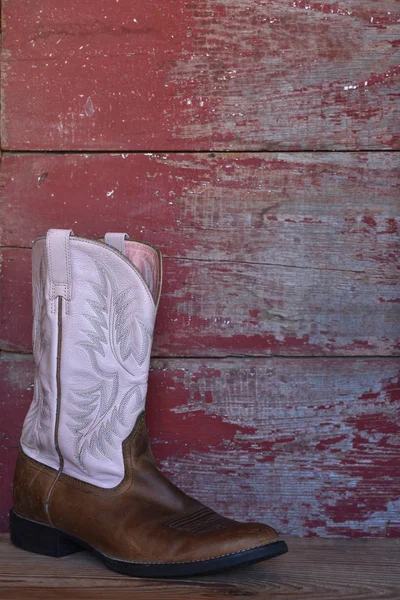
245 536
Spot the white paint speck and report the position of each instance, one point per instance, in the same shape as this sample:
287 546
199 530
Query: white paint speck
110 193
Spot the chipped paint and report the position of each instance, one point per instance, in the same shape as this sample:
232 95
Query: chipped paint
89 107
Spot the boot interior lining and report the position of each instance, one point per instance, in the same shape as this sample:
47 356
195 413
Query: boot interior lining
145 259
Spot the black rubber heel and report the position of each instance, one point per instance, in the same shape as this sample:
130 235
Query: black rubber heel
39 538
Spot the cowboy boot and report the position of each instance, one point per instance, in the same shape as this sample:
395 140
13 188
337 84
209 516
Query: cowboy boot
85 476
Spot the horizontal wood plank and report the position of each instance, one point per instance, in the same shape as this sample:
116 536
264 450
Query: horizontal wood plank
201 75
321 210
217 309
313 569
308 445
291 254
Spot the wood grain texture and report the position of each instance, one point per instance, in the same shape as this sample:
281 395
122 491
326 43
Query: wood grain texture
213 74
265 254
217 309
314 569
308 445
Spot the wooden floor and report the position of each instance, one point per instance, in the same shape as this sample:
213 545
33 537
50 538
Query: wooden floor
314 569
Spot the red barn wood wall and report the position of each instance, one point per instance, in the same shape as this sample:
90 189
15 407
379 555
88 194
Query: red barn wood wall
257 144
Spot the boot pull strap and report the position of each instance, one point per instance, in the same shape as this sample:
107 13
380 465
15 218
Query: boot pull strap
59 262
116 240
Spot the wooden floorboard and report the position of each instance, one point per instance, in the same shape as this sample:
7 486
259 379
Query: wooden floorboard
313 569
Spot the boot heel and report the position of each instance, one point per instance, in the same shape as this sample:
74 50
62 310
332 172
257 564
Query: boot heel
39 538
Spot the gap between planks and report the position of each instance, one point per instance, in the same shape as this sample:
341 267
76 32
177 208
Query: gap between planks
204 152
24 355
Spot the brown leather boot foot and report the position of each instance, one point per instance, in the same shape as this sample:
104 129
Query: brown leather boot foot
145 527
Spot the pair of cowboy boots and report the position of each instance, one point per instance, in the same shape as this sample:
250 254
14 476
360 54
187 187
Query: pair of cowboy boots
85 477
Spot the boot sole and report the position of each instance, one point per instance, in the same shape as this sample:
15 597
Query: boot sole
49 541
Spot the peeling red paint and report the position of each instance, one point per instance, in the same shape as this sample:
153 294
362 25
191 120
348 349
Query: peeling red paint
254 313
328 442
206 372
311 220
369 220
392 226
369 395
373 423
212 430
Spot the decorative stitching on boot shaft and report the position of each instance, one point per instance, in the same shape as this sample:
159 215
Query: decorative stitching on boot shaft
98 412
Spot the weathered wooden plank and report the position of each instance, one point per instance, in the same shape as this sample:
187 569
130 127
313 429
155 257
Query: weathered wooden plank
310 445
323 210
213 308
213 74
313 569
320 232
